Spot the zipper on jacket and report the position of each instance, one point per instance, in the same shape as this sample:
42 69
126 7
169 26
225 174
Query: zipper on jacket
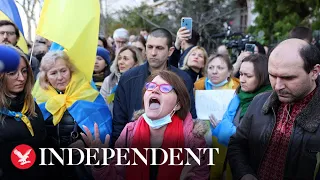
264 152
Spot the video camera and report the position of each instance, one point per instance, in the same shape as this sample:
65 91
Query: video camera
238 44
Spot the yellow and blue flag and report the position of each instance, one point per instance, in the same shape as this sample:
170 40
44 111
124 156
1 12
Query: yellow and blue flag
84 103
74 25
9 11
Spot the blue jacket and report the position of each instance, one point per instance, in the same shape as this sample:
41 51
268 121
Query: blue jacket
226 128
128 96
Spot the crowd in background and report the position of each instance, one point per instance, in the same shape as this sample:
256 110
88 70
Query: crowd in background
142 94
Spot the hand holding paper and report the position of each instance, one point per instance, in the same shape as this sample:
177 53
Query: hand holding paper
213 120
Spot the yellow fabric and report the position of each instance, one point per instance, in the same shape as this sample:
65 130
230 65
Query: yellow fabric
73 24
25 119
232 84
216 171
22 41
78 89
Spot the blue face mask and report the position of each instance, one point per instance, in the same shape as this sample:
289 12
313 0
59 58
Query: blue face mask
158 123
209 84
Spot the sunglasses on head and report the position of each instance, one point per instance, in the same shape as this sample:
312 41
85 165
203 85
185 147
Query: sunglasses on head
164 88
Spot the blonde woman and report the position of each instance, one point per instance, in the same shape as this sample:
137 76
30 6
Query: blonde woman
127 58
68 102
194 63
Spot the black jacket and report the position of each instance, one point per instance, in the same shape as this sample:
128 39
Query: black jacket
248 145
59 135
13 133
128 97
176 59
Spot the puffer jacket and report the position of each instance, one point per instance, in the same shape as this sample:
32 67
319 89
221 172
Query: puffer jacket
248 145
13 133
193 134
59 135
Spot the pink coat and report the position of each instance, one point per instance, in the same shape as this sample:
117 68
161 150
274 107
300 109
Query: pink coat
193 134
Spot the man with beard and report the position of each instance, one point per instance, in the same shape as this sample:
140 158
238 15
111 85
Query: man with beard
9 34
278 138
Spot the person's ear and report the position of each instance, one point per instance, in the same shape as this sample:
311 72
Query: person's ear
177 107
171 49
315 72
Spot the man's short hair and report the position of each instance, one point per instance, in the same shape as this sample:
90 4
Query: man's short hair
162 33
194 38
310 55
9 23
300 32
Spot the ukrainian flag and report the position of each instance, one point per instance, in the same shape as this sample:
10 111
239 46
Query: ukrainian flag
74 25
9 11
84 103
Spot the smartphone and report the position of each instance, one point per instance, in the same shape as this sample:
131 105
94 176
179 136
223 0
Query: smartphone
250 48
187 22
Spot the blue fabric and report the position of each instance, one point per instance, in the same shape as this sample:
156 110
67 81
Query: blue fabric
9 8
226 128
86 113
114 89
56 47
16 115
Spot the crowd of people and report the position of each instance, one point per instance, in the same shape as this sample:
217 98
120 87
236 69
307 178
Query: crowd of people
142 95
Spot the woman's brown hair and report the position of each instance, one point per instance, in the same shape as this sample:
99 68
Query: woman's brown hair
226 59
5 94
260 69
180 89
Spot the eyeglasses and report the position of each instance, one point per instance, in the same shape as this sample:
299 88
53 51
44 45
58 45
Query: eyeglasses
15 74
164 88
9 33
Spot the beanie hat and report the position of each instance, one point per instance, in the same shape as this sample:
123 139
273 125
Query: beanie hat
9 58
105 54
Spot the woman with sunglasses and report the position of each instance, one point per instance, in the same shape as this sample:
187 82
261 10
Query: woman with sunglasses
165 123
127 58
21 121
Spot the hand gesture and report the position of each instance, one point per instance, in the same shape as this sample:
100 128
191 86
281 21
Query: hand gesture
213 120
183 34
95 142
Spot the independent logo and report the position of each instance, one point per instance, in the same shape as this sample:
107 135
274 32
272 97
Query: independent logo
23 156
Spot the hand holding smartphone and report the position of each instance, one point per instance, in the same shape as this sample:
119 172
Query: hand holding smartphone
250 48
187 23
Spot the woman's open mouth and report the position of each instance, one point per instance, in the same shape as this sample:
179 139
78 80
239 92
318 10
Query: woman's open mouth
154 103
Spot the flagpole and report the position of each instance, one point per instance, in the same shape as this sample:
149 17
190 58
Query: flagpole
31 51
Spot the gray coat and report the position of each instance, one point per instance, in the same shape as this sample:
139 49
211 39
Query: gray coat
108 84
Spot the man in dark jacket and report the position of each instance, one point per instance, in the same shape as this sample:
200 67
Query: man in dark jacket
279 136
128 97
